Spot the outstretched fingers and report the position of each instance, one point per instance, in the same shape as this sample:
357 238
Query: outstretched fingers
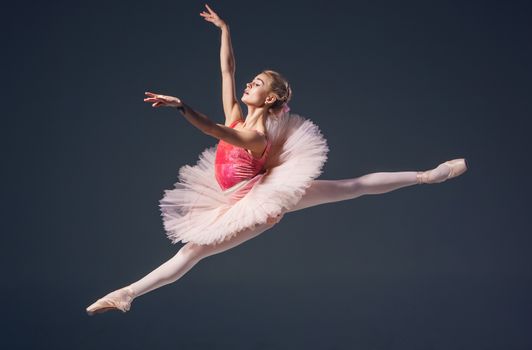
152 96
207 16
211 16
162 100
210 10
156 99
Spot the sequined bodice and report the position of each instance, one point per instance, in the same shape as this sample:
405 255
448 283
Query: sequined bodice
234 164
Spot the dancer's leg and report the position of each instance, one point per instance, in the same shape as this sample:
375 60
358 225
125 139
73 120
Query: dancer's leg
328 191
320 192
188 256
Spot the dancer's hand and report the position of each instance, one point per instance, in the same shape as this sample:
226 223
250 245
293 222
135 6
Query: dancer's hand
211 16
162 100
274 219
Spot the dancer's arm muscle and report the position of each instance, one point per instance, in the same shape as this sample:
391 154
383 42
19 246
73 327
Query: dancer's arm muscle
231 106
247 139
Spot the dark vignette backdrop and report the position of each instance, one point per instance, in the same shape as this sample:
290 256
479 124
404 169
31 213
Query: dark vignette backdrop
393 85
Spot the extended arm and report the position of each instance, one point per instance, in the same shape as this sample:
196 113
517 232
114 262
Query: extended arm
247 139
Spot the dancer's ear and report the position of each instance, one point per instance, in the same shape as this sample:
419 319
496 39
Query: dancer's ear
271 99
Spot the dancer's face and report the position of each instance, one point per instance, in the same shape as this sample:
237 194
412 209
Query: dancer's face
258 92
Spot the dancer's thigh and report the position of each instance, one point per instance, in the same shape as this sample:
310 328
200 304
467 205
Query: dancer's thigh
319 192
239 238
328 191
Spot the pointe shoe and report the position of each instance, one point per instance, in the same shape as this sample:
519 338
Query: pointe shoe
118 300
456 167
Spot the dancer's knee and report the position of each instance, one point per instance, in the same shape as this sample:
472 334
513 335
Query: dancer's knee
329 191
194 251
360 185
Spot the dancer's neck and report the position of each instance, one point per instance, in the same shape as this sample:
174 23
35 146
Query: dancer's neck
256 117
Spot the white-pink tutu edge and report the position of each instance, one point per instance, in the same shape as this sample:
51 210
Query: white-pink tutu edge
197 210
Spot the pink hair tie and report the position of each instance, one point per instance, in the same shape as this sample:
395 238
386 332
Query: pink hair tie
283 110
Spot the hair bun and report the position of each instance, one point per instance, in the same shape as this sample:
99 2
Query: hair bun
288 92
280 87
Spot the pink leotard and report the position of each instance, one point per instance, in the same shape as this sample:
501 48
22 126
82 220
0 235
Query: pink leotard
234 164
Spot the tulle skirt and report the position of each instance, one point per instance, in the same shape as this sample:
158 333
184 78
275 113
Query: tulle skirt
198 210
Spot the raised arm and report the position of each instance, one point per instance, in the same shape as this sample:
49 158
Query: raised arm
232 109
231 106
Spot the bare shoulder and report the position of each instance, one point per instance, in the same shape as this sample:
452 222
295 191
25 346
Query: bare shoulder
260 129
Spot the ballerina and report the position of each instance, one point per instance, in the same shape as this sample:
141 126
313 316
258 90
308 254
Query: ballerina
263 166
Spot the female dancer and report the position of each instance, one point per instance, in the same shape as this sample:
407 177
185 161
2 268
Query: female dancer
264 166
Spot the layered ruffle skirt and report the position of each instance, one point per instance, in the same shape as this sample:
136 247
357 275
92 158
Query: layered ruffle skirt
198 210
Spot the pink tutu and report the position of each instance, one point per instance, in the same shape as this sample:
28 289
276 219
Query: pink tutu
198 210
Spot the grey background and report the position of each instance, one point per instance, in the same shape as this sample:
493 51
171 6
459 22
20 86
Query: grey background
393 86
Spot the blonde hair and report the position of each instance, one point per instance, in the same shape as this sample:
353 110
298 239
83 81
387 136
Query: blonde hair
280 87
